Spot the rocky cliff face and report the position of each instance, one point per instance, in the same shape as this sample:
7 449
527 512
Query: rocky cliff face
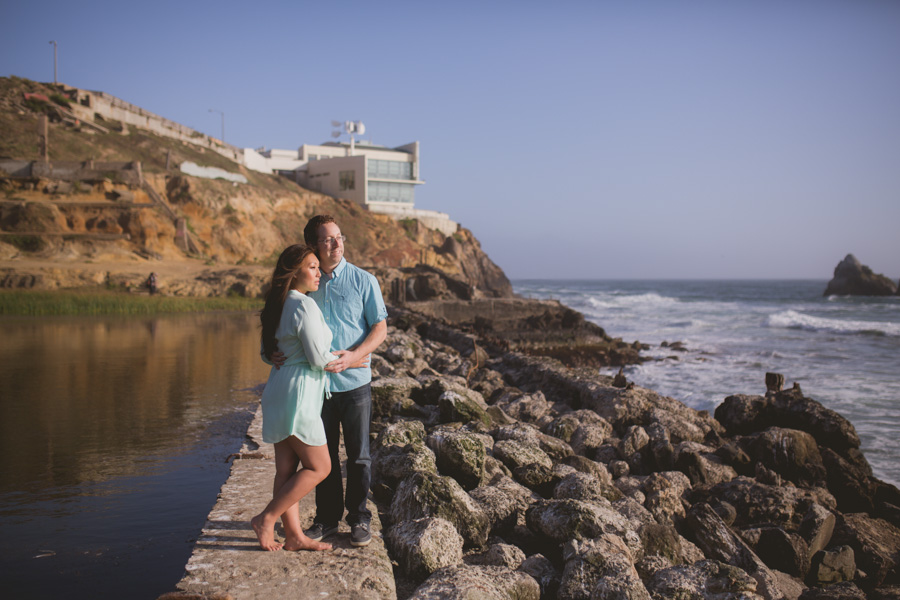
117 223
852 278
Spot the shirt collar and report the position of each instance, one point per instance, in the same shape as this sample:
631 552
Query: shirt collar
335 272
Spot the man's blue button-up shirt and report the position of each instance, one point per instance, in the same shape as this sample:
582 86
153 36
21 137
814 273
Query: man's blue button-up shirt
351 302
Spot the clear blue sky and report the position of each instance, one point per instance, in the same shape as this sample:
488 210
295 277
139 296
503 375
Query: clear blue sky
678 139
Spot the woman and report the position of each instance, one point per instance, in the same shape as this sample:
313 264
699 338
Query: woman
292 400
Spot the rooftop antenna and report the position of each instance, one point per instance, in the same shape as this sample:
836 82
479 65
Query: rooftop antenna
352 128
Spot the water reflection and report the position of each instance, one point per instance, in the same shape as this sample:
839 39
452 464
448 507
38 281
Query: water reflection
113 433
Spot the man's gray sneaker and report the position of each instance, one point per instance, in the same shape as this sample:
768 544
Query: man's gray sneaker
360 535
319 531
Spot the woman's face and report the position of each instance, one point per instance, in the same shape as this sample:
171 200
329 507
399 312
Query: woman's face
308 275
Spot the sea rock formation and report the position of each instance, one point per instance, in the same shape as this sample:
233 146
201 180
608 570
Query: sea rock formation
852 278
551 482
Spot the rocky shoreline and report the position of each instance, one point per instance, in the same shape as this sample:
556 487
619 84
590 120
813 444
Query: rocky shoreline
504 475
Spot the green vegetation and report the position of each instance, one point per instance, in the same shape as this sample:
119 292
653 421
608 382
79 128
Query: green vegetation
61 100
26 243
409 226
106 302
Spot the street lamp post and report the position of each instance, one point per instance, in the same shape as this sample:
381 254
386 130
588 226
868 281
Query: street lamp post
54 61
214 110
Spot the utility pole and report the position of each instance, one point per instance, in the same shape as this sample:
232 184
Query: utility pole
223 121
43 138
54 61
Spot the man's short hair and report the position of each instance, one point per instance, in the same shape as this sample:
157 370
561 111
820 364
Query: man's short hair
311 231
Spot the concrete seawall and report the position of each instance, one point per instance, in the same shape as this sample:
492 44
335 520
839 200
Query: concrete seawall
227 561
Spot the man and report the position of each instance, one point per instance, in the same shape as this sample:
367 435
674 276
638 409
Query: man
351 301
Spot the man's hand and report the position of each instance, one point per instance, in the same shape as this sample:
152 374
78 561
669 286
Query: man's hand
347 360
277 359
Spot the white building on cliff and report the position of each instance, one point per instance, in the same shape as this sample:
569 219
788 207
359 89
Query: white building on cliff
378 178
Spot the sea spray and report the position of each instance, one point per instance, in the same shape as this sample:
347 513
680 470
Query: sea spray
843 351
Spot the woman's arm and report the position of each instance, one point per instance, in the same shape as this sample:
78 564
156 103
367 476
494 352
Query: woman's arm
315 337
265 359
352 358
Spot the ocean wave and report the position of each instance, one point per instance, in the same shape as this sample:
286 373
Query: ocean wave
791 319
630 300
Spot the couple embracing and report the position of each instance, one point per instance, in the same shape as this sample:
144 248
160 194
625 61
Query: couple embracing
322 319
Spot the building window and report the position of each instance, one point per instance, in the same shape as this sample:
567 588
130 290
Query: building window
389 169
347 180
382 191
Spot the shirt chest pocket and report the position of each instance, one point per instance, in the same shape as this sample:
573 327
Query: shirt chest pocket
348 306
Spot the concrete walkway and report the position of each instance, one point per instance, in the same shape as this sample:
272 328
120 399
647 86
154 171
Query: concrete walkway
227 560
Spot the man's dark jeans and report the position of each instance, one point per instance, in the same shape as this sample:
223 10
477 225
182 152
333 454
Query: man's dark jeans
352 412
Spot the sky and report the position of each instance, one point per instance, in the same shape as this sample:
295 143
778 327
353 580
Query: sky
576 139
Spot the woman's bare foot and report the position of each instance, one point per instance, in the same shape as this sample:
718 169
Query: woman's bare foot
265 535
304 543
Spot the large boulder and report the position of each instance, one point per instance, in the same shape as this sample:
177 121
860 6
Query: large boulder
423 546
524 407
779 549
463 408
566 519
758 503
584 486
701 464
398 452
600 568
460 455
876 546
702 580
720 543
830 429
791 453
514 454
852 278
541 568
742 415
833 566
434 496
845 590
389 393
471 582
817 527
554 447
498 555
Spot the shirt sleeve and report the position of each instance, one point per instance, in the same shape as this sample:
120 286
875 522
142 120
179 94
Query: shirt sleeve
373 307
315 336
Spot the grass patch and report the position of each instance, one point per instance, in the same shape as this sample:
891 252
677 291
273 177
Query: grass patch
37 303
409 226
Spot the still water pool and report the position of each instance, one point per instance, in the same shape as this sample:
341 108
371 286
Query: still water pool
114 434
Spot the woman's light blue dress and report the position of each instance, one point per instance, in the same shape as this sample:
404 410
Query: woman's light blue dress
292 399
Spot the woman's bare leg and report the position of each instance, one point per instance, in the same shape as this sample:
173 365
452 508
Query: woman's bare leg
316 466
286 463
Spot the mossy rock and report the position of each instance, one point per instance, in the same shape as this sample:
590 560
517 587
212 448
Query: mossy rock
423 495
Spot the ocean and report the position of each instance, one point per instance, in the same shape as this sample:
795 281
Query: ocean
843 351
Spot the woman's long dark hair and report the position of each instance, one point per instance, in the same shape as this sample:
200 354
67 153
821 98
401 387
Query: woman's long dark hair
283 279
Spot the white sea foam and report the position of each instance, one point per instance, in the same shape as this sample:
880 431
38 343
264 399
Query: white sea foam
842 351
791 319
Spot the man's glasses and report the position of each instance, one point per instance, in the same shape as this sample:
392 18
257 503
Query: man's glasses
333 241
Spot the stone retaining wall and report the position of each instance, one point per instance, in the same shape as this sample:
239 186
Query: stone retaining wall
227 560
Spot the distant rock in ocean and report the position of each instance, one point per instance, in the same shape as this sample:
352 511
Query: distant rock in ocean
852 278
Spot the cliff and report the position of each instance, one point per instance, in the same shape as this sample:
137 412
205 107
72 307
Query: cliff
111 205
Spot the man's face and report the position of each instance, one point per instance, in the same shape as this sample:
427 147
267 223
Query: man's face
330 245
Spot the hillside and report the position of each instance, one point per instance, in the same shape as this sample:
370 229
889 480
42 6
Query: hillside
95 216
